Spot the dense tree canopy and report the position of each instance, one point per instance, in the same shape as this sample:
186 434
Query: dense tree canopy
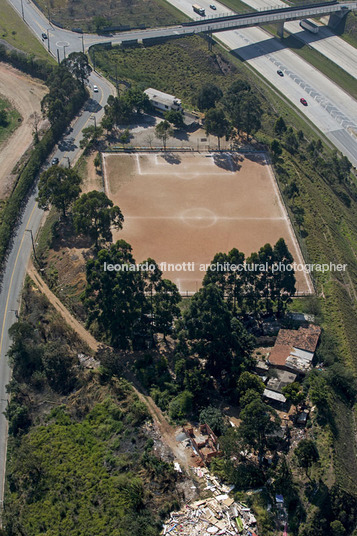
58 186
208 96
217 124
94 214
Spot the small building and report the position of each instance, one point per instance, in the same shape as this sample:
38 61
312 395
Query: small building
274 397
301 419
281 379
294 349
204 442
164 102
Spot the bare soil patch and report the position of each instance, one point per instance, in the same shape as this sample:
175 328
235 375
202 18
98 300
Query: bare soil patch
184 208
25 94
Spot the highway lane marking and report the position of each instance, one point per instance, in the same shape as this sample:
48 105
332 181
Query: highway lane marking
11 280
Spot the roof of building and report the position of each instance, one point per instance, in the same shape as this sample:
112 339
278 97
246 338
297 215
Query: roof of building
164 98
278 397
299 343
303 354
282 379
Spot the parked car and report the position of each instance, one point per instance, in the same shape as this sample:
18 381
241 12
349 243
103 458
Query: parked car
95 89
212 6
280 73
303 101
44 36
55 161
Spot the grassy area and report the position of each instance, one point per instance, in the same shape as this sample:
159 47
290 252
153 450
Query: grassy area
17 33
238 6
13 119
92 15
187 67
321 62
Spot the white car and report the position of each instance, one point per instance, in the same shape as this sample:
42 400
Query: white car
95 89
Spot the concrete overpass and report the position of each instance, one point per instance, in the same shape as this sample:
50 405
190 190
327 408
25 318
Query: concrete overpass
336 11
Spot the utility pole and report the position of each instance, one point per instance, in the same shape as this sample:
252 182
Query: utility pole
58 58
22 9
48 40
33 244
116 79
68 160
82 37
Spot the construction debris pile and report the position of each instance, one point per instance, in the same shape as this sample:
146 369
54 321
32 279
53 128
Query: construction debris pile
218 514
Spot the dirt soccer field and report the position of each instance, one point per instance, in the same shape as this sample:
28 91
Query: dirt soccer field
185 207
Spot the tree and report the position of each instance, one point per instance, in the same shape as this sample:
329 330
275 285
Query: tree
276 149
337 529
224 273
250 114
290 140
258 421
175 118
208 96
214 335
294 393
248 381
115 299
306 454
163 131
214 418
3 118
165 306
94 214
217 124
284 278
280 126
77 64
90 135
58 367
58 186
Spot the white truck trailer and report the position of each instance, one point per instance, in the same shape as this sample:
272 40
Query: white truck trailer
309 26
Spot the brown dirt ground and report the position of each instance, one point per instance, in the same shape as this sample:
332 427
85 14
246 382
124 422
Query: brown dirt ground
25 94
181 207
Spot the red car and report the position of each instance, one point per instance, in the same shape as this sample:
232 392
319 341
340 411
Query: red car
303 101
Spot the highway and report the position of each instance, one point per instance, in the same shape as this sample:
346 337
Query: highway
330 108
18 258
325 42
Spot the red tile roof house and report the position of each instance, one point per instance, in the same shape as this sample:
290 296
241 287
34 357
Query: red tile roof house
294 349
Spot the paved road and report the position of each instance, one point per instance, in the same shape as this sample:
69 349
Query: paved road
20 253
325 42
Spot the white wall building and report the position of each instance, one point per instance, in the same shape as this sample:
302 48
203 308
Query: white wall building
163 101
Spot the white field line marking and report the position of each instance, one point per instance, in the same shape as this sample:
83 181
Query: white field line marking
107 189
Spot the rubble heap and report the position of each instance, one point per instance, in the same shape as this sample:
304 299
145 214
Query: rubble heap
218 514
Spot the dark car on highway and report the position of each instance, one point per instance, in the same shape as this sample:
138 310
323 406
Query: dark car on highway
55 161
280 73
44 36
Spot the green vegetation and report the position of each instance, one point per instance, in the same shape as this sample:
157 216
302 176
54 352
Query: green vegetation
16 33
179 67
82 465
65 97
92 16
9 119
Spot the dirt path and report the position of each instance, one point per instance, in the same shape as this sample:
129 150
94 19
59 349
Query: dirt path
58 305
25 94
167 432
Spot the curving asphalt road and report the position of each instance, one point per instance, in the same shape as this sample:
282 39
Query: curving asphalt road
67 151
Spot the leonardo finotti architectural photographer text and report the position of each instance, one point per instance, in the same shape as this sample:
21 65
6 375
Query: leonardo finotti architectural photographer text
226 267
